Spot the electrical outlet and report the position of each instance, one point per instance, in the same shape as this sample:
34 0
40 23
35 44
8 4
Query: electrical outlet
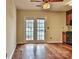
50 37
47 28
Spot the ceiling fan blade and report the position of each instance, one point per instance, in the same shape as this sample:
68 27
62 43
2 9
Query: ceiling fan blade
39 5
46 0
53 0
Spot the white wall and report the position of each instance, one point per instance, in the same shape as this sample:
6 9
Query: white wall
10 28
54 20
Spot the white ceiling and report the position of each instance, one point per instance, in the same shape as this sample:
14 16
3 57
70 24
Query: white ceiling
55 6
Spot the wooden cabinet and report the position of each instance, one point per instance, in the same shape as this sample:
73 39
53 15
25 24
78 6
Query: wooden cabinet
64 37
67 37
69 17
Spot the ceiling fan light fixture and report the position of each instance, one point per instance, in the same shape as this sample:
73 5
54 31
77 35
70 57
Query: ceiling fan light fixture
46 5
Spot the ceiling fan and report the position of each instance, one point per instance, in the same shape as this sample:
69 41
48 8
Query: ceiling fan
46 3
46 0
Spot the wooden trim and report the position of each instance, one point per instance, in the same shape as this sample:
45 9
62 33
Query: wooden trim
69 17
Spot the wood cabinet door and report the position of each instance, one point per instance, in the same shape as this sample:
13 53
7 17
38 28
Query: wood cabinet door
69 17
64 37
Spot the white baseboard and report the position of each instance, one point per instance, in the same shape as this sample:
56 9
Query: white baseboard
21 42
54 42
46 42
12 53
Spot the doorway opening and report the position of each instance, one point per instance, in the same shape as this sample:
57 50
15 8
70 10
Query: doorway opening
35 30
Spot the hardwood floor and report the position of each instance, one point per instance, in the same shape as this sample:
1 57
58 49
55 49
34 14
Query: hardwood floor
43 51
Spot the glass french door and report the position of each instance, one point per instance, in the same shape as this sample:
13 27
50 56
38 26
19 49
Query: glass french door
35 30
40 29
29 30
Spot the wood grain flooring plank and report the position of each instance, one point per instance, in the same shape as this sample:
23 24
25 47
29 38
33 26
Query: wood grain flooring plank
43 51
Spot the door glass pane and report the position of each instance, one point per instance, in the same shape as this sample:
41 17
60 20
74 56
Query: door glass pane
40 29
29 29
